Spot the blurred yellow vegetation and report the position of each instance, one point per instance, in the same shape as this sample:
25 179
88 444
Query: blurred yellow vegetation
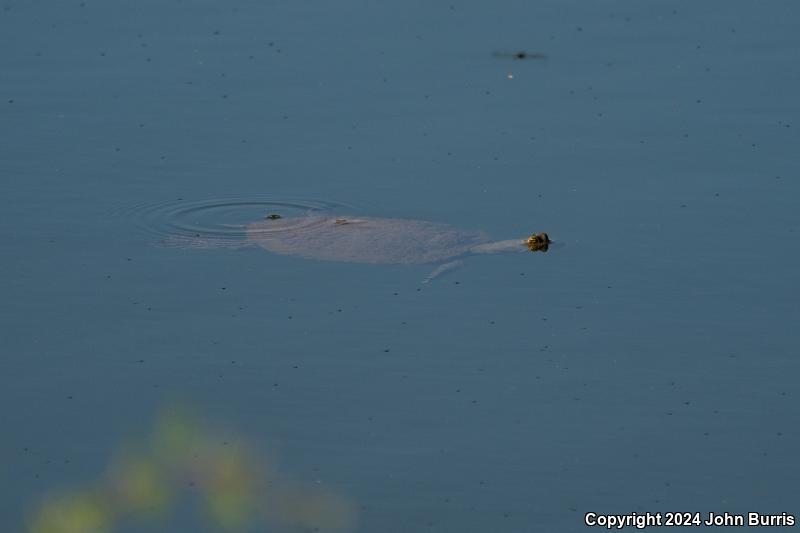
139 485
73 512
237 488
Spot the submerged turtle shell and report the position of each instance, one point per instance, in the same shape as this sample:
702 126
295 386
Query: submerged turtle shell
363 240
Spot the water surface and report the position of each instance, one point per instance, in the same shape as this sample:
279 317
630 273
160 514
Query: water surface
648 365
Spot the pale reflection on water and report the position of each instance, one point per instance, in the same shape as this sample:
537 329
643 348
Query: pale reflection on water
238 487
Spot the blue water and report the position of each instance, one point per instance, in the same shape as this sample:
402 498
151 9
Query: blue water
648 364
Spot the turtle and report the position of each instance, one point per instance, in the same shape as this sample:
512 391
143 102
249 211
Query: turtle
381 240
357 239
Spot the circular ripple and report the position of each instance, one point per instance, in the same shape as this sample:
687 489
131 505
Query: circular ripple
221 220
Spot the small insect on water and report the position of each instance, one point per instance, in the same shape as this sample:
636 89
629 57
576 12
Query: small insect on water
519 55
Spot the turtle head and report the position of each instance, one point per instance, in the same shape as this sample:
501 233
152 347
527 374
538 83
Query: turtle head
538 242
